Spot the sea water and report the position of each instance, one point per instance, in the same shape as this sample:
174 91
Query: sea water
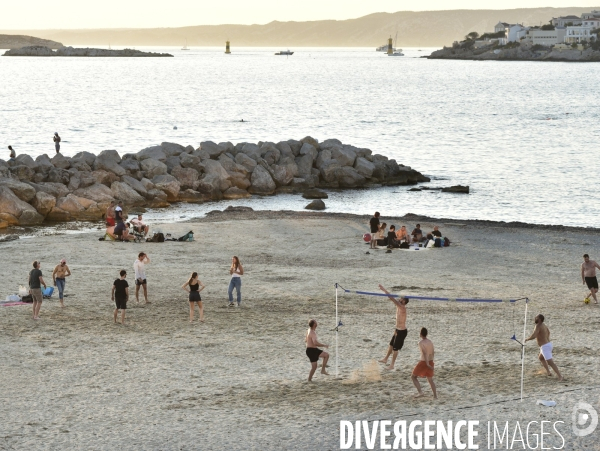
522 135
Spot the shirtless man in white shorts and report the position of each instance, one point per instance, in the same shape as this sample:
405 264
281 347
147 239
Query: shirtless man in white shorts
541 334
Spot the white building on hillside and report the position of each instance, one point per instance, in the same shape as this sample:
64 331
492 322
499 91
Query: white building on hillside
501 26
514 33
565 21
547 37
582 32
593 15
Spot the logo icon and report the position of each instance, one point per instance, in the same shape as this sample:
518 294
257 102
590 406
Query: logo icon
588 417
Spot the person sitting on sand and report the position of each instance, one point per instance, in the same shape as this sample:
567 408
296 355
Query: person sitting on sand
400 333
436 232
588 276
120 295
391 238
140 225
417 234
13 154
126 235
110 214
110 231
541 334
313 352
194 286
425 366
402 235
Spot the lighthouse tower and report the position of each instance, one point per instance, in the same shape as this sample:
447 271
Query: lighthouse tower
228 51
390 47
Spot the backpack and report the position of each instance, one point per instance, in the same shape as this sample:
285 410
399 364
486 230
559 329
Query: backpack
438 242
404 245
187 237
157 238
446 242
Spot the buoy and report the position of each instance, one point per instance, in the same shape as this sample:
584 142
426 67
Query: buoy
227 50
175 127
367 237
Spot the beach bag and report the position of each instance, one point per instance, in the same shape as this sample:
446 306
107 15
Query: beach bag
404 245
438 242
28 298
47 292
13 298
157 238
187 237
446 242
23 291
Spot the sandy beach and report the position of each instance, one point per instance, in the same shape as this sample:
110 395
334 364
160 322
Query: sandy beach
75 380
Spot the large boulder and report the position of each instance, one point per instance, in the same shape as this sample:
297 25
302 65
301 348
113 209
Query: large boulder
349 178
26 160
329 143
316 204
309 149
136 185
22 172
43 163
343 155
11 205
172 149
324 155
167 184
239 180
127 194
314 194
329 171
22 190
190 161
78 208
189 195
295 146
104 177
109 160
231 166
80 165
244 160
364 167
282 175
187 177
60 161
305 164
216 175
235 193
251 150
74 179
213 149
285 150
97 192
58 175
456 189
202 154
43 203
87 157
54 189
262 182
154 153
270 153
310 140
130 164
172 163
152 168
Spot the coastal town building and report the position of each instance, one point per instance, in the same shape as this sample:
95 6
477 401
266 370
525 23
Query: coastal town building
595 14
501 26
548 38
513 33
583 32
566 21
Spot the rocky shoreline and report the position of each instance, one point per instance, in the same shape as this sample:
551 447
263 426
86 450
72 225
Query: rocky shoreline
62 189
40 50
525 51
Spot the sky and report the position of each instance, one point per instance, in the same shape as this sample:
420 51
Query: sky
44 14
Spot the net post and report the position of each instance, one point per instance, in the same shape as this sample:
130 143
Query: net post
336 330
523 347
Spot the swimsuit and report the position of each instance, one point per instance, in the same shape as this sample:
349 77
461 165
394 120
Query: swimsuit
591 282
422 370
313 354
194 294
546 351
397 340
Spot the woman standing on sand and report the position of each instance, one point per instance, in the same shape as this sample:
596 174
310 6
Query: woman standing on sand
193 286
237 271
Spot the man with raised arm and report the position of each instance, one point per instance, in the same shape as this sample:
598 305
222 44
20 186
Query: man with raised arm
588 275
313 352
541 334
425 366
400 333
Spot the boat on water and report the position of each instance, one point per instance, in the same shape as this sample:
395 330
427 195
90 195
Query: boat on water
383 48
285 52
393 51
185 47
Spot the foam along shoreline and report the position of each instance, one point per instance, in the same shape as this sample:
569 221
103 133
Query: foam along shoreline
40 50
64 189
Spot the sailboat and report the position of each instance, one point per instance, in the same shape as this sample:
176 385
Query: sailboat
397 52
185 47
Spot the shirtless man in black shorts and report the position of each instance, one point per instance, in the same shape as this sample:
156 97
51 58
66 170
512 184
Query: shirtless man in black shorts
588 275
313 352
400 333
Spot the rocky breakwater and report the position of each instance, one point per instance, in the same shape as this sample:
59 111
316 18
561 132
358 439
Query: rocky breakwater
39 50
81 187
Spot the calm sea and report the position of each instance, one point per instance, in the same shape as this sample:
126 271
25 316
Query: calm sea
522 135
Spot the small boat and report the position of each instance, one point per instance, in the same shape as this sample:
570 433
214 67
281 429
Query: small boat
285 52
185 47
383 48
396 52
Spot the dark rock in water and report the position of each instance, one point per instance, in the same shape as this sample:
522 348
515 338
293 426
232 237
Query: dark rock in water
315 194
456 189
415 189
4 238
317 204
237 208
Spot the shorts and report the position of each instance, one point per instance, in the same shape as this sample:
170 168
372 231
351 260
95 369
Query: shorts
121 304
546 351
195 296
119 229
137 282
591 282
313 354
110 222
397 340
422 370
36 294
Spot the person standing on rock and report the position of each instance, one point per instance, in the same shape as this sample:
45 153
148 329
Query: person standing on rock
140 276
110 214
56 140
237 271
35 288
374 225
61 271
400 333
13 154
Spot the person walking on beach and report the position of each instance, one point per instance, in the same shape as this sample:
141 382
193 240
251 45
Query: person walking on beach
140 276
61 271
110 214
425 366
400 333
56 140
541 334
13 154
194 286
120 295
374 227
35 288
237 271
313 352
588 276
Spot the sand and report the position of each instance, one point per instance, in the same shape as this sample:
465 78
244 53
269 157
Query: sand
75 380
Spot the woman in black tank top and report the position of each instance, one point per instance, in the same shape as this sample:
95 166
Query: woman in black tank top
194 286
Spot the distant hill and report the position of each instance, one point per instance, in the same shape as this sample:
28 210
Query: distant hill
16 41
420 28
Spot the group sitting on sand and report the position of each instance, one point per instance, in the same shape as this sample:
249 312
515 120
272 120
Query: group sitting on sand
394 239
119 230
